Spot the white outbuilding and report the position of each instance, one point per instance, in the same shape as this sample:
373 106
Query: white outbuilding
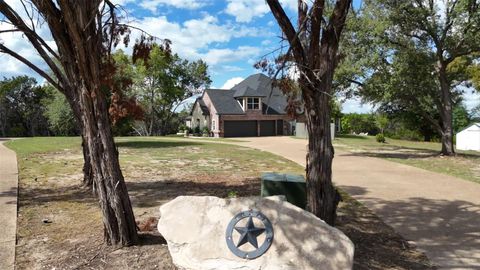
469 138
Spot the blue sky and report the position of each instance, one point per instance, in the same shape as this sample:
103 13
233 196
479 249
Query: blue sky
230 35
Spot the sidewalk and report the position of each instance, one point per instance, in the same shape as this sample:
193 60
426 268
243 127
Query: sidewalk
8 206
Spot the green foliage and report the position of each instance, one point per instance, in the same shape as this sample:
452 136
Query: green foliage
461 118
196 130
232 194
381 120
403 133
475 114
182 127
359 123
59 114
164 80
21 110
395 53
380 138
205 131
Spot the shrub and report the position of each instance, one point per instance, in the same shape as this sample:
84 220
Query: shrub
380 138
205 130
232 194
196 130
407 134
182 127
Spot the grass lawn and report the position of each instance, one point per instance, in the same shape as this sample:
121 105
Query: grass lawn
157 170
425 155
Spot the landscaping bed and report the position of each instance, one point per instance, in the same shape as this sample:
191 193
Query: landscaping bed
59 223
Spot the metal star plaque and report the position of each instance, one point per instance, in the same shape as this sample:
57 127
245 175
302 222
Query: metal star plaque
243 240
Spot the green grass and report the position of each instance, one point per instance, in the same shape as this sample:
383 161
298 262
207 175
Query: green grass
27 146
425 155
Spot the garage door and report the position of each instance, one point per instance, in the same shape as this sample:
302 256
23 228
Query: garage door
280 127
267 128
240 128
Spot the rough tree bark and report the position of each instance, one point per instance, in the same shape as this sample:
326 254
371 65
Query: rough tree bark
446 112
84 32
314 49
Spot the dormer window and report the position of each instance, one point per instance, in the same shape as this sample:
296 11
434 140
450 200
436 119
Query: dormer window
253 103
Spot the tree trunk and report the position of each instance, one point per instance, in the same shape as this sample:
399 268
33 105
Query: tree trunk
87 167
446 113
118 219
322 198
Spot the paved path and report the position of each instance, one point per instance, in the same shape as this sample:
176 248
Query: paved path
439 213
8 206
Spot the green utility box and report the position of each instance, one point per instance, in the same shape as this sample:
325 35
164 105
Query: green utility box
292 186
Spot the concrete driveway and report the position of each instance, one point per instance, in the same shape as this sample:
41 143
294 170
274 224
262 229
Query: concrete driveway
438 213
8 206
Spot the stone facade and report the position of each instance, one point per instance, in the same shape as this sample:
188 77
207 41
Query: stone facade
199 119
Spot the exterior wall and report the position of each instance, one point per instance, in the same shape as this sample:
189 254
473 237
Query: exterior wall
214 129
301 130
255 115
198 119
469 139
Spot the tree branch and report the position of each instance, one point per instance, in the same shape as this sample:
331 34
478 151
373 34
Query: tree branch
287 28
38 43
32 66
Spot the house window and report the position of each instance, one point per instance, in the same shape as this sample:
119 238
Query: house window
253 103
213 124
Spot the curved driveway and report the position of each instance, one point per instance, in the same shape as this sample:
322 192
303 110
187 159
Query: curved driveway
440 214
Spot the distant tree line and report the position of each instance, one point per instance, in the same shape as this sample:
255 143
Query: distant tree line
404 125
27 109
152 87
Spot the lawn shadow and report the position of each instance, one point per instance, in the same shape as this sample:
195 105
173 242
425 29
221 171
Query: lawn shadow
12 193
350 136
151 239
156 144
392 155
447 230
155 193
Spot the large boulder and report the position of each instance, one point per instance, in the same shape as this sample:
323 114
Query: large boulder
195 230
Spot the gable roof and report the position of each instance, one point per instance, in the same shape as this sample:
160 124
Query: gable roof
224 101
202 105
472 127
247 91
257 85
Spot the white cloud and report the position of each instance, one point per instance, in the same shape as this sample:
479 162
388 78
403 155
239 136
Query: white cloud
153 5
229 68
231 82
354 105
246 10
266 42
216 56
471 98
193 38
19 43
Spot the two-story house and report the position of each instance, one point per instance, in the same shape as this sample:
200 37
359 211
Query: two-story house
251 108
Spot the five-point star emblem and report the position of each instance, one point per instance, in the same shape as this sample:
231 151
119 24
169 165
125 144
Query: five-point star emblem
249 233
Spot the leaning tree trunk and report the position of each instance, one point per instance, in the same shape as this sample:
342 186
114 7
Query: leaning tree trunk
84 33
118 218
322 198
446 112
87 180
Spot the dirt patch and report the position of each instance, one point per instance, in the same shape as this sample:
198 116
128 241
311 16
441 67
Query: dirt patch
59 224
